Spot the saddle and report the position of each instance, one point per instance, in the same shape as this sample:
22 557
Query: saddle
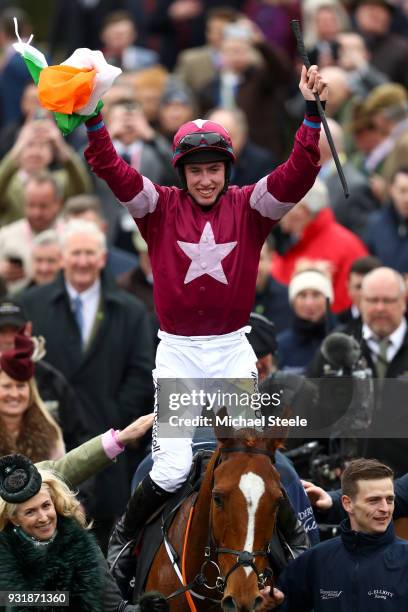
153 534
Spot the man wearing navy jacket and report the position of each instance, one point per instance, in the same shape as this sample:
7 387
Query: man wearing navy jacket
365 568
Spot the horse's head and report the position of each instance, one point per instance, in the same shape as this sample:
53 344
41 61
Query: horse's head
245 496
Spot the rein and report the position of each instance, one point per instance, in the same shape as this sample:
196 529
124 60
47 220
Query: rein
243 558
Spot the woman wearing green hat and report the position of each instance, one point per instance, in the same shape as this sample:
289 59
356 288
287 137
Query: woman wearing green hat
45 546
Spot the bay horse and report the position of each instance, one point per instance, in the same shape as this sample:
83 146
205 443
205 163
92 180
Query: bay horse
222 536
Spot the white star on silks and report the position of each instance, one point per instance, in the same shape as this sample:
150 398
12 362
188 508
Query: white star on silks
206 256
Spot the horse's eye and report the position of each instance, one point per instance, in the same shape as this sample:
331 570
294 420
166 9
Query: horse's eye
217 498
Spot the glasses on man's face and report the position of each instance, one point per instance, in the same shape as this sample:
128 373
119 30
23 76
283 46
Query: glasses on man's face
387 301
207 139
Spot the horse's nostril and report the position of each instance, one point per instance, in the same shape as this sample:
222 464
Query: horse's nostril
228 603
257 603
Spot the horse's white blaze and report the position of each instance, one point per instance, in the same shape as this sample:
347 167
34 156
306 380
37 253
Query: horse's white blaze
252 487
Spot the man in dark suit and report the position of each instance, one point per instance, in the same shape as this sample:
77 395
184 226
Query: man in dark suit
100 338
384 345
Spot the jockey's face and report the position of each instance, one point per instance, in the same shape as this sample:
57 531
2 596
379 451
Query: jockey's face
370 510
37 516
205 181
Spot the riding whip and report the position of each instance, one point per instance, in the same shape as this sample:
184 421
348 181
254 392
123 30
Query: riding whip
295 25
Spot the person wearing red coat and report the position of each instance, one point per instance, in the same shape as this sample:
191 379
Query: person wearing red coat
319 238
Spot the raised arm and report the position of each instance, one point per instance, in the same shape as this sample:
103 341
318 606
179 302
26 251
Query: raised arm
277 193
101 155
93 456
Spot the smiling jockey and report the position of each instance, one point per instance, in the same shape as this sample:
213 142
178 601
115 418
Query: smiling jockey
204 243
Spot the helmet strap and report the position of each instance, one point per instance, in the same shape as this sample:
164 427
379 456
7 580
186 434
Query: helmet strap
182 176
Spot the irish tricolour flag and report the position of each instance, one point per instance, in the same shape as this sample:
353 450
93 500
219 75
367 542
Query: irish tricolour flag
72 90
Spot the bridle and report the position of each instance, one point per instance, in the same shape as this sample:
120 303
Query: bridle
244 558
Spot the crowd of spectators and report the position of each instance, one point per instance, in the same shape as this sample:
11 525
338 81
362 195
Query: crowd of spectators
63 233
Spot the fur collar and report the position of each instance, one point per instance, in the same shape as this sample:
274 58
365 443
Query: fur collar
72 562
37 438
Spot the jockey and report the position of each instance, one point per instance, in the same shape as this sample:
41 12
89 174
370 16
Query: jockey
204 243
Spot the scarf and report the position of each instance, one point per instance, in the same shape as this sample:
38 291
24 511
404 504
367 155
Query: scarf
309 331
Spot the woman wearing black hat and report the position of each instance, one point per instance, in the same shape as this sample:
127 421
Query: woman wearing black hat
26 426
44 545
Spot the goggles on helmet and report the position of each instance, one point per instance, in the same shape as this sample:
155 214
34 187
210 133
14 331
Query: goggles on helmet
205 139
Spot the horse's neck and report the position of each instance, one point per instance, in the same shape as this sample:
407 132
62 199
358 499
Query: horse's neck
200 523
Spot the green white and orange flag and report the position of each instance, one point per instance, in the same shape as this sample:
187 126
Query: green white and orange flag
72 90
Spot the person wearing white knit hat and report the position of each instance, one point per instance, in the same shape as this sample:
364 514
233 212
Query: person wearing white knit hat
313 280
315 235
310 295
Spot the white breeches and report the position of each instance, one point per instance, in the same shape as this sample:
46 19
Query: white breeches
183 357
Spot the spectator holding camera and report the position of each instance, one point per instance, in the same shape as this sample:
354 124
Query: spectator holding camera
39 143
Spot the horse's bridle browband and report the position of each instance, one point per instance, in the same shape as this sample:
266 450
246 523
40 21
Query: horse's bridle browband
248 449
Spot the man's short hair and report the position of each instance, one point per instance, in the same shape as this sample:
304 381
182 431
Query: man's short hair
364 265
226 13
80 204
363 469
115 17
42 178
46 238
80 226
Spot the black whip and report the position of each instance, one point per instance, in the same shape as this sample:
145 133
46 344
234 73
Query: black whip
295 25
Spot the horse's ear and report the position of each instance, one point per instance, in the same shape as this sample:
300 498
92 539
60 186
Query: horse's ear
277 435
275 444
222 432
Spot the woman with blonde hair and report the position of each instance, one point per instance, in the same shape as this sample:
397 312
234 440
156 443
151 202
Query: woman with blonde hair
45 548
26 426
